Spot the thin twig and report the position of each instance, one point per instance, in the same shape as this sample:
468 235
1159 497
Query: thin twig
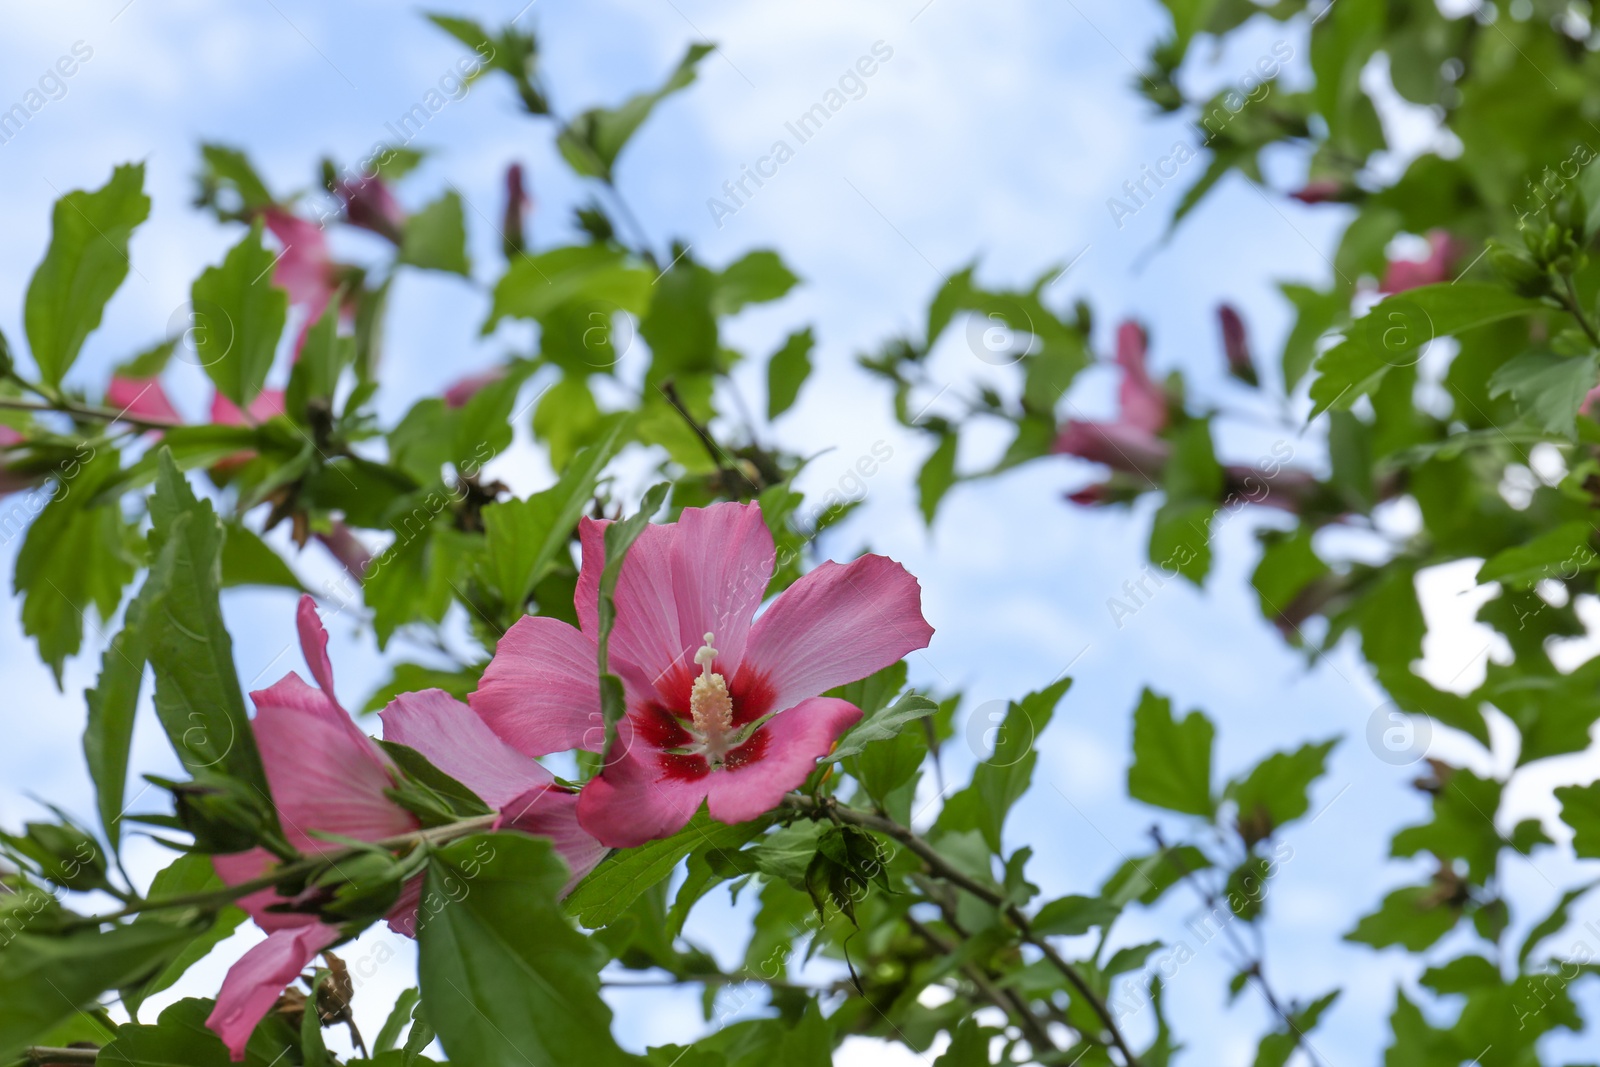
1250 963
216 898
85 411
943 869
40 1055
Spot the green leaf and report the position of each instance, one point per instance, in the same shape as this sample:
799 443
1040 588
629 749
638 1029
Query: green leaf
969 1046
231 168
46 978
1279 787
534 287
1316 314
1462 827
1147 878
1171 758
1580 809
180 1038
1407 917
882 725
322 359
1547 388
74 558
1180 539
1288 565
788 370
592 141
414 677
1550 924
1558 553
247 560
113 703
613 886
399 1018
938 474
525 538
504 978
188 874
1072 915
238 318
680 326
197 693
567 418
436 237
1462 975
759 278
148 363
1277 1047
1395 332
999 781
85 264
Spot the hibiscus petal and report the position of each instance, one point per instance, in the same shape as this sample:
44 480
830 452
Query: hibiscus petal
268 403
705 573
541 692
795 740
646 647
402 918
254 984
236 867
305 268
461 745
314 645
722 559
324 772
546 811
143 398
839 623
633 800
1143 402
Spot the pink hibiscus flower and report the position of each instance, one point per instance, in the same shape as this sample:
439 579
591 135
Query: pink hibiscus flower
368 203
514 222
143 398
1236 344
1129 444
326 775
305 270
466 388
722 707
1404 274
1321 191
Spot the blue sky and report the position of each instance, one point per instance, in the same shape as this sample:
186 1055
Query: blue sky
995 131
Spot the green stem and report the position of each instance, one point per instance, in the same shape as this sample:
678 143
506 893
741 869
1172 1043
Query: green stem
1575 306
83 411
945 871
216 898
